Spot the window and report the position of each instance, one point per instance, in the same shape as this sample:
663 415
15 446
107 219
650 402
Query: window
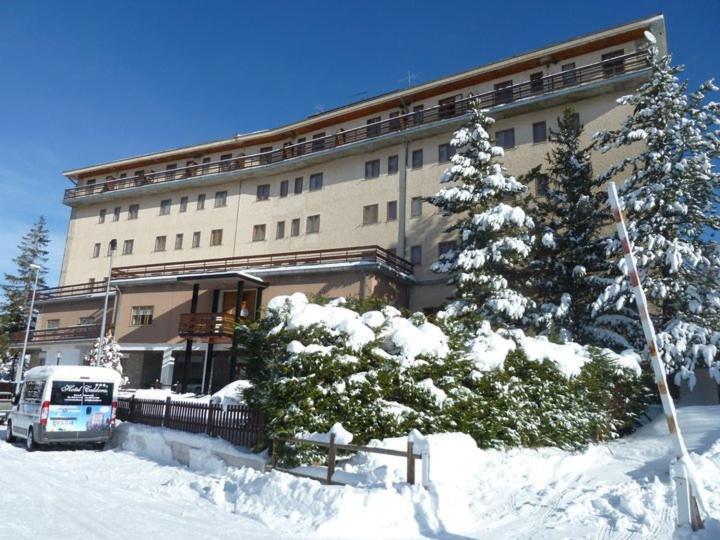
505 138
87 321
372 169
373 126
128 247
539 132
447 106
280 230
32 391
536 82
170 171
295 227
370 214
316 182
575 122
613 67
90 182
504 92
417 159
178 241
393 164
101 216
445 152
160 243
418 114
263 192
216 237
123 175
133 211
196 239
221 198
318 142
543 185
52 324
140 174
416 206
165 207
445 247
201 202
394 121
298 185
96 251
300 148
265 155
91 282
568 73
116 213
206 165
416 254
284 188
392 210
183 204
225 162
141 316
313 224
258 233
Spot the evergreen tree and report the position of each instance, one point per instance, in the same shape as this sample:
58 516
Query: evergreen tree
494 237
670 195
106 353
17 287
569 213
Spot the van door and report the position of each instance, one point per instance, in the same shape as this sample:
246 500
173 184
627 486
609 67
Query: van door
29 407
80 406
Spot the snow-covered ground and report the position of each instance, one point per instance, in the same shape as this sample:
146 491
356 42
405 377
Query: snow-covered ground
618 490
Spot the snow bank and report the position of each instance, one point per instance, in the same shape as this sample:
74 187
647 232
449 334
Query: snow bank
232 394
342 436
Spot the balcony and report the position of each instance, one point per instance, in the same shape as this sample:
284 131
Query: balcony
68 333
207 327
604 70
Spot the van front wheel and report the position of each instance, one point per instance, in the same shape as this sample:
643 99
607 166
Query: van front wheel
30 441
9 437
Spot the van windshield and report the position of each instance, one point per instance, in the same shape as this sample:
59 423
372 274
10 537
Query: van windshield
81 393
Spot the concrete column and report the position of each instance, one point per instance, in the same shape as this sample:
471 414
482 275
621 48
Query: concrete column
168 368
189 343
233 350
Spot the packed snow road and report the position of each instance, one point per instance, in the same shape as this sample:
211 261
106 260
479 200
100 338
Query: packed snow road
613 491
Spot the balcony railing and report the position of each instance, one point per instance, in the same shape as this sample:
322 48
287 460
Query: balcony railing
606 69
89 331
277 260
79 289
206 326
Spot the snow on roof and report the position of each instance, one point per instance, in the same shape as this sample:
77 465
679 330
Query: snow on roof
96 374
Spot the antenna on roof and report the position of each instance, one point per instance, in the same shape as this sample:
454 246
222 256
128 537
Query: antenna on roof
408 79
319 109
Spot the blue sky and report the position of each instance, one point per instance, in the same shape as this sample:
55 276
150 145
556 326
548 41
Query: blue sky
90 81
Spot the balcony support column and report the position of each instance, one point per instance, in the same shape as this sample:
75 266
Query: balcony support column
233 350
189 343
258 302
209 360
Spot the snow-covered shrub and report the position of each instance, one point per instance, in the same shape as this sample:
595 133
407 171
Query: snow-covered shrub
106 353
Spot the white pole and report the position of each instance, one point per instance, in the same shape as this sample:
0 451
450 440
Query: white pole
21 361
113 244
426 466
688 496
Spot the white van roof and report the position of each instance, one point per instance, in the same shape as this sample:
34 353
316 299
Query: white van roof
74 373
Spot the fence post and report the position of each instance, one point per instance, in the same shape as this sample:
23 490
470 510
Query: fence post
208 426
131 414
166 416
410 463
331 459
426 466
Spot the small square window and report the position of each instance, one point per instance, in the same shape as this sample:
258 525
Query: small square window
220 199
446 247
295 227
165 207
160 243
178 241
201 202
539 132
370 214
392 164
280 230
313 225
392 210
417 159
316 182
101 216
141 316
372 169
416 255
298 185
258 233
52 324
612 64
216 237
263 192
116 213
127 247
445 152
284 188
504 92
133 211
183 204
416 206
505 138
196 239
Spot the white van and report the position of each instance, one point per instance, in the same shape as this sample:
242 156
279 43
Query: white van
64 405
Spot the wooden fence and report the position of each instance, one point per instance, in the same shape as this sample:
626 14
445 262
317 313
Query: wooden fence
237 424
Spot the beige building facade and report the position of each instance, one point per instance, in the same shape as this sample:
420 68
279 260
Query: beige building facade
332 205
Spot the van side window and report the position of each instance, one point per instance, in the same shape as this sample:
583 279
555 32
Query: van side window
33 391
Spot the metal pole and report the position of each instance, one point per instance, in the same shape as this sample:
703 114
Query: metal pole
113 244
20 364
688 496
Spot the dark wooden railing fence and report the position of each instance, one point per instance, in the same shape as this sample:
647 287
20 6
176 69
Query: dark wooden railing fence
237 424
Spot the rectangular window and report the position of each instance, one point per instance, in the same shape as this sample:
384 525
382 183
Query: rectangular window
225 162
280 230
392 210
298 185
216 237
318 142
315 182
370 214
258 233
96 251
133 211
128 247
160 243
612 65
372 169
141 315
295 227
87 321
196 239
393 164
52 324
201 202
205 165
445 152
170 171
417 159
394 121
300 148
569 75
503 92
416 255
284 188
220 199
263 192
446 107
445 247
575 122
265 155
183 204
536 82
165 207
313 224
373 126
178 241
539 132
116 213
505 138
418 114
101 216
416 206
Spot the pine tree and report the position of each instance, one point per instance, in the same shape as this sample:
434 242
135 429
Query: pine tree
17 287
569 213
106 353
494 239
671 193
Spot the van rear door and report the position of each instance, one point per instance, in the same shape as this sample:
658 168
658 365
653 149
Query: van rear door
80 406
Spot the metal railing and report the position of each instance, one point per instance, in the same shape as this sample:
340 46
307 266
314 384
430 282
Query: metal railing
89 331
605 69
79 289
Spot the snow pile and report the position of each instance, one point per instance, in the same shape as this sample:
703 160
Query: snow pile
232 394
342 436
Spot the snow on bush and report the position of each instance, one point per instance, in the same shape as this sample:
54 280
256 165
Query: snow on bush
106 353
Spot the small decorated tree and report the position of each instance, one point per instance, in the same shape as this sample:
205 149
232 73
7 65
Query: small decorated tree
106 353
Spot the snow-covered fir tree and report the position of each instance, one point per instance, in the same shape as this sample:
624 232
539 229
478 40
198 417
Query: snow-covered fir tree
493 233
670 190
569 213
106 353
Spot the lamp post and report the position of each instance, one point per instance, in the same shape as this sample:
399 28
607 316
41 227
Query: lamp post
21 361
111 250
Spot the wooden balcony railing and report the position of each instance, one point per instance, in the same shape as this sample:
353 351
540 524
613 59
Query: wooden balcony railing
606 69
89 331
206 326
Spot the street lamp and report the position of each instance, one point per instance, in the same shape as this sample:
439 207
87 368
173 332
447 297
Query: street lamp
111 252
21 361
